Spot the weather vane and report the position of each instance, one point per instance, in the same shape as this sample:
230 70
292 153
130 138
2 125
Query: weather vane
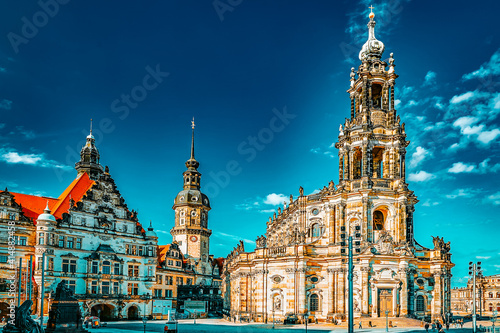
192 123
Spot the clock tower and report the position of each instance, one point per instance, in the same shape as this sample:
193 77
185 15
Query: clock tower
191 215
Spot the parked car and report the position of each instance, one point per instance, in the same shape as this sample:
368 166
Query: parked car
92 322
290 319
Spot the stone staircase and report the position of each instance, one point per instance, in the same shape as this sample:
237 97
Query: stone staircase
380 322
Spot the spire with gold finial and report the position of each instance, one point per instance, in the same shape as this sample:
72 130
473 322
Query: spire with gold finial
373 48
192 163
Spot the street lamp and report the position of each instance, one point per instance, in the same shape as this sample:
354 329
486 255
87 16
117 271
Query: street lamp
357 243
273 316
386 320
144 319
474 270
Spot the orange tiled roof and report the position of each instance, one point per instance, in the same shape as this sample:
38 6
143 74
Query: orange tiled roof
34 205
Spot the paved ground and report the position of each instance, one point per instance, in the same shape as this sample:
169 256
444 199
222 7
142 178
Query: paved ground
222 326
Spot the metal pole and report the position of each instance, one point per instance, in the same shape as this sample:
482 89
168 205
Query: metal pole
273 316
387 321
30 278
20 282
474 298
42 290
351 294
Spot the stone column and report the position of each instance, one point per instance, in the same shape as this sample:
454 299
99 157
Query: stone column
331 223
331 290
351 164
394 300
347 164
364 289
364 159
436 296
403 301
302 289
374 301
341 286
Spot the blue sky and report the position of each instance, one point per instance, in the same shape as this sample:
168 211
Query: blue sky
266 83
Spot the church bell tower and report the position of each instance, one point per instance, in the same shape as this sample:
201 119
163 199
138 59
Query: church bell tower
372 145
191 213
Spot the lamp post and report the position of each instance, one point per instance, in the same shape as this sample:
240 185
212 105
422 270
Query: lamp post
350 278
144 319
273 317
475 271
386 320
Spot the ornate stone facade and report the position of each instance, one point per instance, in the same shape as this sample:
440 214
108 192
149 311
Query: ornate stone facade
487 296
300 264
90 238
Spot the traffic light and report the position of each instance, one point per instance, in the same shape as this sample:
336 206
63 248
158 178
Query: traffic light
471 267
478 268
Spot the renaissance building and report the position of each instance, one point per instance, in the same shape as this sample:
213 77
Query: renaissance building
90 238
94 241
300 265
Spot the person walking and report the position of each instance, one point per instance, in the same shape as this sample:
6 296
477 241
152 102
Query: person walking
360 327
433 326
426 326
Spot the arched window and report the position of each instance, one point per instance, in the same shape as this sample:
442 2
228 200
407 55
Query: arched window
498 295
490 295
490 306
378 220
498 306
106 267
316 230
420 303
314 302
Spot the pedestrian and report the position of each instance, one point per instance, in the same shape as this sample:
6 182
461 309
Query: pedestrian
433 326
360 327
447 325
439 326
426 326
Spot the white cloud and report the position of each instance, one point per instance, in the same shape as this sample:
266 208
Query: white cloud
420 176
430 78
233 237
429 203
492 67
418 156
487 136
461 98
461 192
397 102
463 122
460 167
5 104
483 257
275 199
494 198
11 156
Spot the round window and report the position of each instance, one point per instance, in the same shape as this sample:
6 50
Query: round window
315 211
314 279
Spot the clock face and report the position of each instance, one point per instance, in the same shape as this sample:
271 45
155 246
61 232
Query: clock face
193 239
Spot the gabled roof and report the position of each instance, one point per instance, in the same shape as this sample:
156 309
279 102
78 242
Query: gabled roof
76 190
34 205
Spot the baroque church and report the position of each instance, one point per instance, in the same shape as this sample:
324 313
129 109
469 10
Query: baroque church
300 267
94 241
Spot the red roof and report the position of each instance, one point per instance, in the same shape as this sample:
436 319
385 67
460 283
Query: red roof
34 205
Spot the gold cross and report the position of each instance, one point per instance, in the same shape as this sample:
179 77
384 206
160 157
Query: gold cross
371 9
192 123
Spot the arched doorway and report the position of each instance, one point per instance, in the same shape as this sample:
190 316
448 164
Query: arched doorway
103 311
4 310
133 312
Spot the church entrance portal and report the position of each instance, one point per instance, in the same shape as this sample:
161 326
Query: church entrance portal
385 302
